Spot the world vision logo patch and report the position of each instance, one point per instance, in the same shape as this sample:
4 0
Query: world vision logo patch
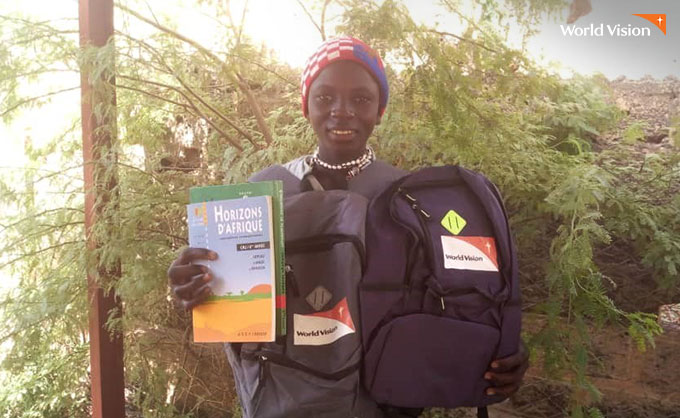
618 30
470 253
323 328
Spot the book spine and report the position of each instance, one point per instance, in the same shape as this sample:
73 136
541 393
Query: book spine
281 273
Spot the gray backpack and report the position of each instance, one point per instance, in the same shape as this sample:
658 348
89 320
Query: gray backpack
314 370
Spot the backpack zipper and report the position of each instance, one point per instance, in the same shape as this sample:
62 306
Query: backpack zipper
263 357
422 216
324 243
414 239
291 283
261 382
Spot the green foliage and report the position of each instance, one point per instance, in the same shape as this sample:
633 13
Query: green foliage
188 115
634 132
674 131
576 112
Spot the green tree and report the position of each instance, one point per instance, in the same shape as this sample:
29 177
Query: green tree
188 115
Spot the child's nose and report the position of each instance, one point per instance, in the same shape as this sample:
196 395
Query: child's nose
342 109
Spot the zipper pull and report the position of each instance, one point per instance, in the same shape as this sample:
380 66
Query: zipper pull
410 198
420 210
413 203
290 280
441 298
262 359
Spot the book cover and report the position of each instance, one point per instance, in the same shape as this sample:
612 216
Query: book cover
262 188
242 308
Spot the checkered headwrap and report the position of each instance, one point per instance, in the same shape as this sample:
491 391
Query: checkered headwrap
345 48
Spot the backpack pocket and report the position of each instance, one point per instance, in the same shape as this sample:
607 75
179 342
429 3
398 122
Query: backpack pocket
323 310
456 235
422 360
283 386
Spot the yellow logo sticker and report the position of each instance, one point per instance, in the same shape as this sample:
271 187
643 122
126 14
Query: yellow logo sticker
453 222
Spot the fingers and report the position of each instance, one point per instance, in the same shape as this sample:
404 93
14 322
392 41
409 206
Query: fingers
511 362
190 282
182 274
191 254
193 288
508 378
194 292
506 374
181 270
200 295
504 391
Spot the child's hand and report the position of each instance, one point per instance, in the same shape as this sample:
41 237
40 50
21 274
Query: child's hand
506 374
189 282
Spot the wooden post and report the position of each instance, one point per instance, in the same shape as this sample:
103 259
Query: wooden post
106 350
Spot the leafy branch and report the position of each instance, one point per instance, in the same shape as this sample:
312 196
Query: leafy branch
33 99
235 78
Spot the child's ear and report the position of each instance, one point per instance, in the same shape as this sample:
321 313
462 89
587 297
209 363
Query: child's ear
377 122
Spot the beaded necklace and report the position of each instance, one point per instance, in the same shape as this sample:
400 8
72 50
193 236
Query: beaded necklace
352 167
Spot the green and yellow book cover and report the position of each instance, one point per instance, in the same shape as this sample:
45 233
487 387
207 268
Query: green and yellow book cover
273 189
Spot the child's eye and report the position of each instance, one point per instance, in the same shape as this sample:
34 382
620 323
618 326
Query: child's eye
362 99
324 98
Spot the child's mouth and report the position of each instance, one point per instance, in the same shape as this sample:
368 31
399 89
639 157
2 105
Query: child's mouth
342 133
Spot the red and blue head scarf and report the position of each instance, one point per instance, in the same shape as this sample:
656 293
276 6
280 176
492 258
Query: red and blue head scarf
350 49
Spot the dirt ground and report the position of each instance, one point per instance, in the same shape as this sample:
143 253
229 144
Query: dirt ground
633 384
655 104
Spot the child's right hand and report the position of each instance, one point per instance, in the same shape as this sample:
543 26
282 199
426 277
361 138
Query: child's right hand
190 282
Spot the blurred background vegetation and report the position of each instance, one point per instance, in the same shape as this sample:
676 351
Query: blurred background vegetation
593 218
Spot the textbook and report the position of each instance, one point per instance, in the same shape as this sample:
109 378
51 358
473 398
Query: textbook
261 188
243 223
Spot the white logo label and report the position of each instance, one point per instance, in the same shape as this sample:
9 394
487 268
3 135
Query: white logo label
322 328
470 253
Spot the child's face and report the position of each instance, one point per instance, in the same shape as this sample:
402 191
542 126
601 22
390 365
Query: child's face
343 109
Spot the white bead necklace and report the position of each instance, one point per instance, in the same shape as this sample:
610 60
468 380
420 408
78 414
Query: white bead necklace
352 167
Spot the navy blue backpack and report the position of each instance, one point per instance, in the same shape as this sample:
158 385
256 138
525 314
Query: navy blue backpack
440 296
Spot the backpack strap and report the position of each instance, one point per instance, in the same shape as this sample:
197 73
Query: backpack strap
314 182
291 184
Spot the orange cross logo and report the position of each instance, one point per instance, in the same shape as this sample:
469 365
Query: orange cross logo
658 19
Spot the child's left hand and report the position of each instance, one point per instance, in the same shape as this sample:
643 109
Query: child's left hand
506 374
